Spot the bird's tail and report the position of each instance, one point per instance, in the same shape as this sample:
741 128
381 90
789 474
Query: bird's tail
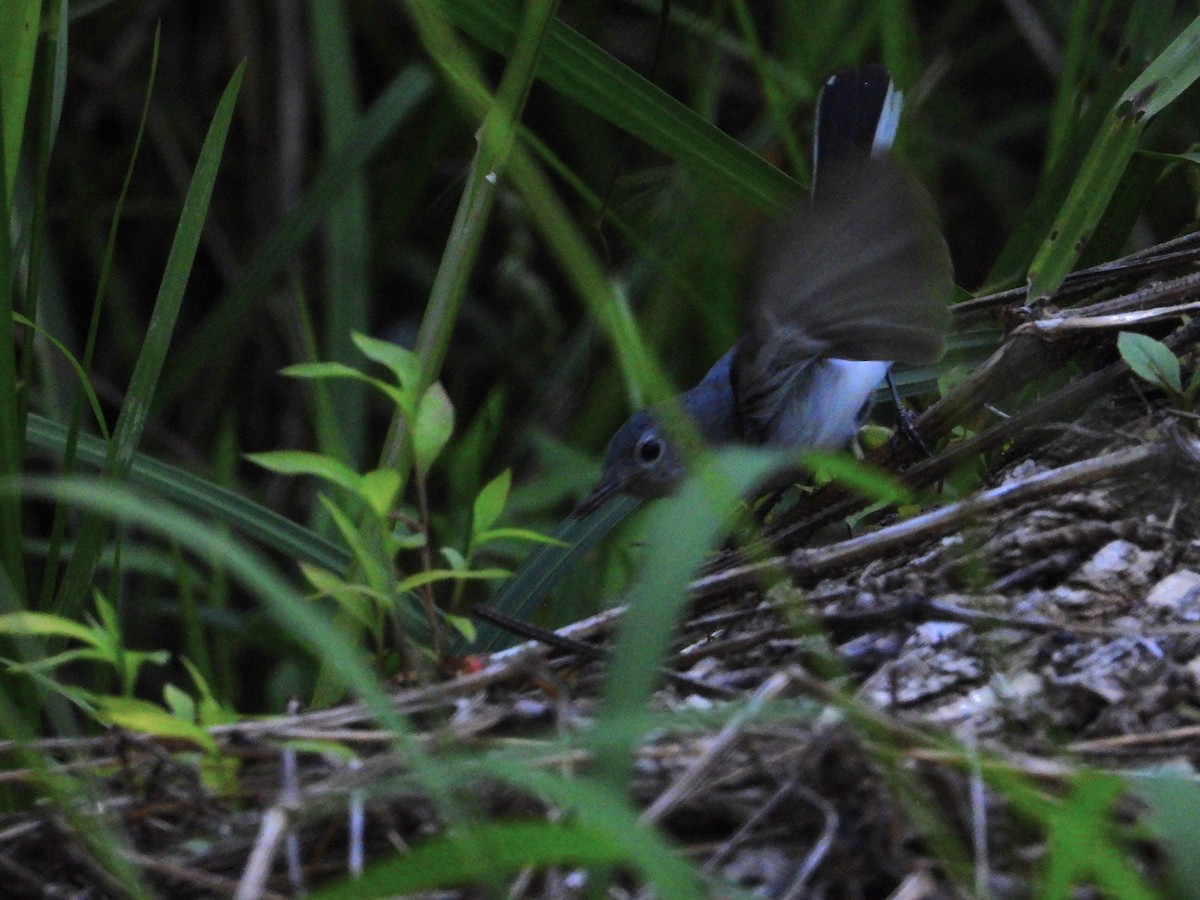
857 116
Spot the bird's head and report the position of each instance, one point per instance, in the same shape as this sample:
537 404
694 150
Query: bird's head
640 460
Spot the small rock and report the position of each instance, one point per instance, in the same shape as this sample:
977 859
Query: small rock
1073 598
1179 589
1118 569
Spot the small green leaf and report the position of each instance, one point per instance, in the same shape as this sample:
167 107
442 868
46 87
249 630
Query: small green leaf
464 626
322 370
49 625
409 540
50 663
859 477
490 503
357 601
304 462
181 705
519 534
379 489
433 428
457 560
374 570
429 577
322 580
402 363
148 718
1151 360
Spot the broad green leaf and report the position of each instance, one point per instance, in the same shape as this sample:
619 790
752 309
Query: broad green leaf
179 703
1172 73
373 567
348 227
680 531
1099 173
457 561
321 580
54 661
1173 798
409 540
331 749
305 462
433 428
464 626
1150 359
490 503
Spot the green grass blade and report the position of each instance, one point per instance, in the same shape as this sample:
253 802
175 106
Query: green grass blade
347 228
1084 31
581 71
1172 73
220 327
58 527
680 531
51 64
140 395
1174 70
10 436
202 498
1099 174
497 137
19 29
292 613
509 847
522 594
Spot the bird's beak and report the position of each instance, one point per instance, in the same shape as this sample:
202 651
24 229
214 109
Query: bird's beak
597 498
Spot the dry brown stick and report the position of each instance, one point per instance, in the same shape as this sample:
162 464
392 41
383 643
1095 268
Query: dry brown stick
933 423
214 884
276 823
1136 741
1058 326
690 780
1180 251
808 564
799 885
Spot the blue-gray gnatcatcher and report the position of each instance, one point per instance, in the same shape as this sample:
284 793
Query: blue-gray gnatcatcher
857 278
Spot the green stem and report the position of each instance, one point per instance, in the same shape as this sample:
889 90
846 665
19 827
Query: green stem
496 138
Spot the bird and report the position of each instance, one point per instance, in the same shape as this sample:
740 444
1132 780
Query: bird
857 277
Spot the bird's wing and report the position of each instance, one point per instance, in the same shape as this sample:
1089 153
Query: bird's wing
860 272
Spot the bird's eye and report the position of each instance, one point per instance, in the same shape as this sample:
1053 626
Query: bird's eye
649 450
